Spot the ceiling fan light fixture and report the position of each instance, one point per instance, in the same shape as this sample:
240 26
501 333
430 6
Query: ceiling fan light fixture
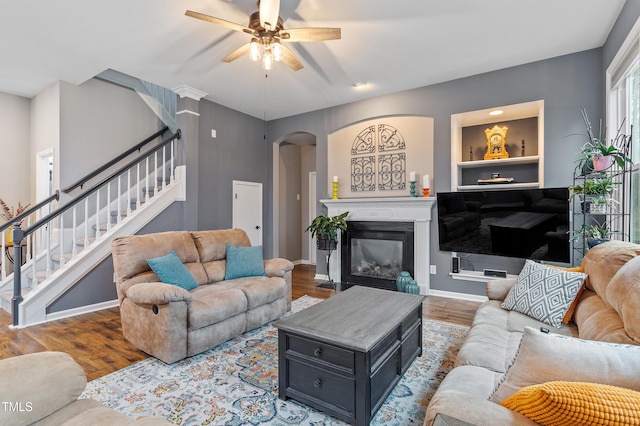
267 61
276 48
254 50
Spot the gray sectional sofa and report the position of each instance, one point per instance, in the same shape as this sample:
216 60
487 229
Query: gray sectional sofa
608 310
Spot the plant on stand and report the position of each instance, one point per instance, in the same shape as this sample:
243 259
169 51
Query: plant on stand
597 154
593 234
326 230
593 194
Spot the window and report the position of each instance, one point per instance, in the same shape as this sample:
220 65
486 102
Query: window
623 112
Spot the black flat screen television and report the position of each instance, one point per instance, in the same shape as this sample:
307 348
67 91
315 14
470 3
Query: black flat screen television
521 223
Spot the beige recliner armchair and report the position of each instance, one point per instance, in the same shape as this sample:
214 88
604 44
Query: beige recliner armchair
172 323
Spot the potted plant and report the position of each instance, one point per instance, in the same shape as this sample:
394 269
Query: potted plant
594 191
326 230
593 234
598 155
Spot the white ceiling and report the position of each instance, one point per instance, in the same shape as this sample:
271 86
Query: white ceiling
393 45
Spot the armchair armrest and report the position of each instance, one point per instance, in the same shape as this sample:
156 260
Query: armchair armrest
157 293
498 289
277 267
38 384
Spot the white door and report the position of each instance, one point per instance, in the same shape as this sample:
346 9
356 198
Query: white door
247 209
312 215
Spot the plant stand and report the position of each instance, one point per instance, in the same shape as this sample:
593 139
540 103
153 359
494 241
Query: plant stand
329 246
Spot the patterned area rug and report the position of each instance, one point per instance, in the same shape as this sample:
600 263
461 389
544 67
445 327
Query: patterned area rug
236 383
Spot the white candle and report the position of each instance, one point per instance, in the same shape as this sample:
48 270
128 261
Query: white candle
335 178
412 177
425 184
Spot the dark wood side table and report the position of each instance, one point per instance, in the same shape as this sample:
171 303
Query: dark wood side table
344 355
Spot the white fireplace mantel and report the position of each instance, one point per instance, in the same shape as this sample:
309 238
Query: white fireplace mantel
401 209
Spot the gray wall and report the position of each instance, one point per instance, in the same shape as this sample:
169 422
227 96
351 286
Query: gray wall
290 207
239 152
627 19
99 121
307 165
14 144
566 84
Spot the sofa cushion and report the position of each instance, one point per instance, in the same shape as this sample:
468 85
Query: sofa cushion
489 347
244 262
464 394
544 293
603 261
491 313
546 357
598 321
576 403
258 290
171 270
131 252
212 244
213 303
623 294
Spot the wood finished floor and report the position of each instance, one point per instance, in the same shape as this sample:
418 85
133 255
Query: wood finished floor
95 340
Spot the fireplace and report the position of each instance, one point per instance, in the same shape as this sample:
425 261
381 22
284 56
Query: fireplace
374 253
414 210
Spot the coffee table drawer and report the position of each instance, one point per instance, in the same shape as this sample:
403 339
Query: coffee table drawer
334 389
339 357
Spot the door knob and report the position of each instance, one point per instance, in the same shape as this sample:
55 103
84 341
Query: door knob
257 226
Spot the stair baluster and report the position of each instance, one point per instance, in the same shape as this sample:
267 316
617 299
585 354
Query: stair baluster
146 181
74 247
119 217
61 241
86 223
109 207
128 192
98 214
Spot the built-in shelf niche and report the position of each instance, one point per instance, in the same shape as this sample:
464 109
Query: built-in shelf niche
467 165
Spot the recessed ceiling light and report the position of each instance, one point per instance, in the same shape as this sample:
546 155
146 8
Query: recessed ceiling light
496 112
360 84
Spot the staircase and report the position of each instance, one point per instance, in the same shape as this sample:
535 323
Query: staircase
62 247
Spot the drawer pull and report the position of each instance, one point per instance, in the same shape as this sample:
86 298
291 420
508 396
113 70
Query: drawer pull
317 352
317 383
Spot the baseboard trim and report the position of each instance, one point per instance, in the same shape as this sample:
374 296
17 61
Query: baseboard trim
82 310
461 296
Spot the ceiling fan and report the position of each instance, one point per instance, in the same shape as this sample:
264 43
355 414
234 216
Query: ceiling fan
265 28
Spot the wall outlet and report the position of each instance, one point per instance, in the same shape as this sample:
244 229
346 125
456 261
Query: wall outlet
213 133
432 269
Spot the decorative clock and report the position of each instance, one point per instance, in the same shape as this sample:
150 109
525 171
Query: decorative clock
496 138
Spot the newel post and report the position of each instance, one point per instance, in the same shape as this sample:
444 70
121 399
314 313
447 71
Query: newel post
18 235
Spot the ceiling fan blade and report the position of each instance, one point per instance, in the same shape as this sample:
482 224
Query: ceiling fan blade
227 24
240 51
269 11
310 34
290 58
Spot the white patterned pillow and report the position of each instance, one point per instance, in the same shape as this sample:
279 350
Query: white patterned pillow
544 293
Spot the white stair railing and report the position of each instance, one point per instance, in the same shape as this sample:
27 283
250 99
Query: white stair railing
53 240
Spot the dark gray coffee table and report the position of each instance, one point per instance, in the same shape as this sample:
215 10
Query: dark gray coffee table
345 354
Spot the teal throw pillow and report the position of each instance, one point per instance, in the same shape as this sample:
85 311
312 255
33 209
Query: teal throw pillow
170 270
244 262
